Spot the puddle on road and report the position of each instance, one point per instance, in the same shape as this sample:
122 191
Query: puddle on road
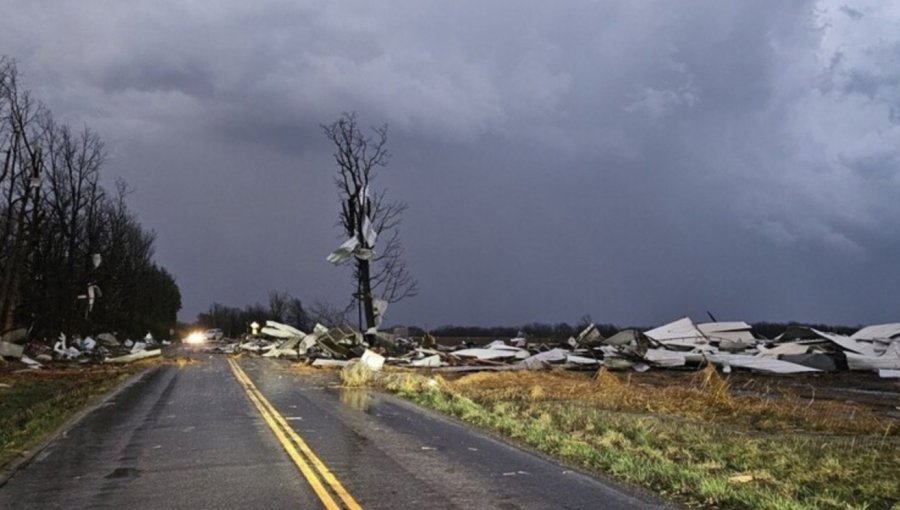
359 399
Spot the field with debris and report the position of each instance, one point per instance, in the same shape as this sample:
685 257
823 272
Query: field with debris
709 414
700 438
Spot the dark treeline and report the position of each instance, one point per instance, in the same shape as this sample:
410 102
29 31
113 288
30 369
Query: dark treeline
73 258
233 321
562 330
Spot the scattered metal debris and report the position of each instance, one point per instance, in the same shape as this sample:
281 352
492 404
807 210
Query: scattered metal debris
681 344
104 347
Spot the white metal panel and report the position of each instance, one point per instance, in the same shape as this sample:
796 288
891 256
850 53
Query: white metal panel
878 332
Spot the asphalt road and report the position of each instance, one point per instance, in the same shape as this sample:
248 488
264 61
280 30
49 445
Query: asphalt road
208 436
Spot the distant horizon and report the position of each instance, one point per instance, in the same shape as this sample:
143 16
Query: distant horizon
705 318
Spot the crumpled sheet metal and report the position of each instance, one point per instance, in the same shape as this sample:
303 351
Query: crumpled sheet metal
493 352
773 366
889 360
11 350
678 344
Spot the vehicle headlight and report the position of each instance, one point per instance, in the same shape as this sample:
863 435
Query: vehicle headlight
195 338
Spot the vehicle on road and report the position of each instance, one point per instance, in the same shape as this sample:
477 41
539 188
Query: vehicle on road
202 337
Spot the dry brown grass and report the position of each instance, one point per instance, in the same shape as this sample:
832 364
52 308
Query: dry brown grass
392 379
706 397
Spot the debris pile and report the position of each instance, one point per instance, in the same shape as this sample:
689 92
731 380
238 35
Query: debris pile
105 348
679 344
277 340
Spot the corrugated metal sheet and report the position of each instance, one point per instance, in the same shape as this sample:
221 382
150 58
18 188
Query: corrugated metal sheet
679 330
848 344
721 327
878 332
773 366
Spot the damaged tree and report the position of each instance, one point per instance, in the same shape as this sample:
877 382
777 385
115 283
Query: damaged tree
381 277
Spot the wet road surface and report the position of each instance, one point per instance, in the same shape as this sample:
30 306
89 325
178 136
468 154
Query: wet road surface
199 437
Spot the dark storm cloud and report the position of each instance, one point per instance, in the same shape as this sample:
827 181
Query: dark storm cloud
632 160
149 76
849 11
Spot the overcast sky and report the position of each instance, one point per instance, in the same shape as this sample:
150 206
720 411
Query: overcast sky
634 160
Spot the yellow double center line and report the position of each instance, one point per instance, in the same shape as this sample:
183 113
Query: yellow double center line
312 468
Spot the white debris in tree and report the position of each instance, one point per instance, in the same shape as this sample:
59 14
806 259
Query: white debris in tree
92 294
370 236
379 306
343 252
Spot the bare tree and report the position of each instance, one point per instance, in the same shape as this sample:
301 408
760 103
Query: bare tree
329 315
278 305
296 314
22 151
73 197
366 215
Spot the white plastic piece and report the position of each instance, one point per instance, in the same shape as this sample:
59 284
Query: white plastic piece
372 360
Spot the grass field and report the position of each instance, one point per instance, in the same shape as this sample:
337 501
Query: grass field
34 403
